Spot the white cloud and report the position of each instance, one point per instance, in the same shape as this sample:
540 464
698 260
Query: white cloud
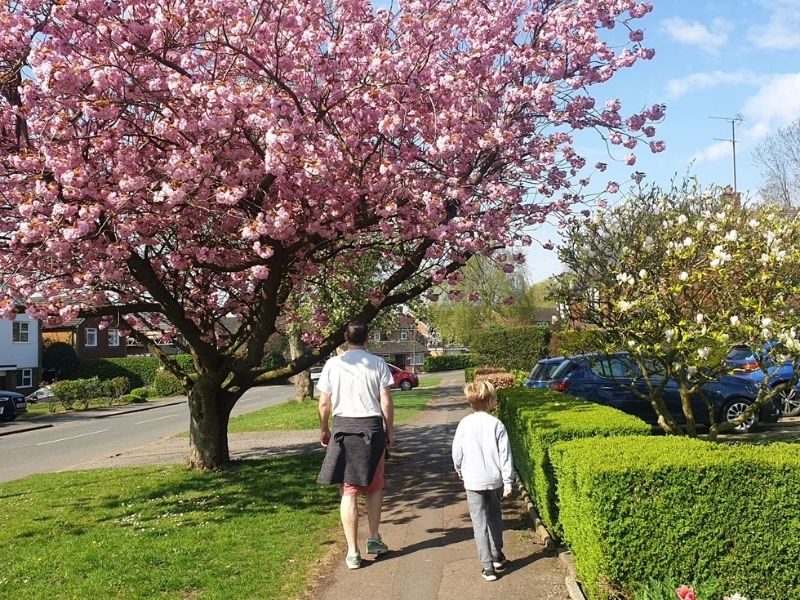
702 81
711 39
782 29
775 104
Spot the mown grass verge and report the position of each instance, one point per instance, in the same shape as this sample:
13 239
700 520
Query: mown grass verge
254 531
304 415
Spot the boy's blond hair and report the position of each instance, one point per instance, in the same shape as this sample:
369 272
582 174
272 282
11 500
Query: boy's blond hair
481 395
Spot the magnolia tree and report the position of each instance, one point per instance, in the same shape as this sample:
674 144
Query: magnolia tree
674 278
170 164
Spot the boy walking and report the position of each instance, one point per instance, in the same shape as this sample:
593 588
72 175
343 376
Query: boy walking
482 457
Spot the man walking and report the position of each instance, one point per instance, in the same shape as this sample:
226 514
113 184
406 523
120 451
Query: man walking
354 387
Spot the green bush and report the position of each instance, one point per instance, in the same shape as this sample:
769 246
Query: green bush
116 388
82 391
469 374
166 384
131 399
140 370
519 376
60 357
448 362
512 347
537 419
635 508
575 341
143 392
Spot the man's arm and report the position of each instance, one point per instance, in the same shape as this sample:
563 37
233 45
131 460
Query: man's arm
387 408
324 417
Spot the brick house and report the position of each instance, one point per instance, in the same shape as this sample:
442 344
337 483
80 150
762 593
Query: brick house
88 338
20 355
404 347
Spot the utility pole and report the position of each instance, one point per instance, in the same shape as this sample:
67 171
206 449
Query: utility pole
733 121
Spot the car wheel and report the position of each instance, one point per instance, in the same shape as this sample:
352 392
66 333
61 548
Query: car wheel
734 409
405 385
790 403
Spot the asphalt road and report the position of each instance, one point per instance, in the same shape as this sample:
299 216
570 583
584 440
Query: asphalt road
75 441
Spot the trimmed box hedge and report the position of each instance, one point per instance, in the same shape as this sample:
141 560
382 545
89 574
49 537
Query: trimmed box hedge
538 418
635 509
448 362
140 370
518 347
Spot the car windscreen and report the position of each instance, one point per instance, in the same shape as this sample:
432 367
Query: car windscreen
563 369
739 353
544 370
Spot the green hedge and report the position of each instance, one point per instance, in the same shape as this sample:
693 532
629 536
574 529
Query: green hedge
637 509
140 370
512 347
166 384
469 374
572 342
537 419
448 362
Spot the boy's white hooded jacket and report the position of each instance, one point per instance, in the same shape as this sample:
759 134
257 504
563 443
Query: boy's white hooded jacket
482 453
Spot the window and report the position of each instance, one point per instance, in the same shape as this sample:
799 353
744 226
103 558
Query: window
113 337
25 378
91 337
403 335
418 358
20 332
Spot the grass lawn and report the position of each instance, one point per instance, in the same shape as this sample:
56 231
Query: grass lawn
255 531
304 415
42 408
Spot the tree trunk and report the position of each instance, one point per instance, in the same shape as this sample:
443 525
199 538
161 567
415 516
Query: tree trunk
208 426
688 411
302 381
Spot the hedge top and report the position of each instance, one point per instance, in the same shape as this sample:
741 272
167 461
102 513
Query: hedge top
626 454
555 416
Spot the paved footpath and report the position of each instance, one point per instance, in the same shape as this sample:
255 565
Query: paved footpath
427 527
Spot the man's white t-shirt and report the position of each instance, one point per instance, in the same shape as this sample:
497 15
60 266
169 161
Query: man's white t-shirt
355 380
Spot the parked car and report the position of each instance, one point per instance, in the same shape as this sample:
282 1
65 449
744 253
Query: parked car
543 372
742 358
12 405
403 379
788 399
315 373
44 394
611 379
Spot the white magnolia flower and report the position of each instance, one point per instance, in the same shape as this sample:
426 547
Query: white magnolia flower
625 278
554 319
691 370
688 242
753 223
734 320
666 224
648 243
682 219
715 263
731 236
643 274
703 352
699 318
766 333
631 343
713 227
683 276
700 225
720 215
624 305
766 322
669 334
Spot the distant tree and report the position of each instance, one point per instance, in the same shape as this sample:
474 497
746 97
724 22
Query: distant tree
778 156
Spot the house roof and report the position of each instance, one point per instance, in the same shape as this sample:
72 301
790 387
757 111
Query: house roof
404 347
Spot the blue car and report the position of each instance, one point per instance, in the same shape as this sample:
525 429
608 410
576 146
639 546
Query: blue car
742 357
789 399
543 372
610 380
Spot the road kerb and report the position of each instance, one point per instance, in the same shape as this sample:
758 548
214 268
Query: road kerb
141 408
25 428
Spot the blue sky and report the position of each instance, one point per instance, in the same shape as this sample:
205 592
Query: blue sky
713 58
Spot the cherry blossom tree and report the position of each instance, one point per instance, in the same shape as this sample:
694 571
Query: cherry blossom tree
674 277
173 163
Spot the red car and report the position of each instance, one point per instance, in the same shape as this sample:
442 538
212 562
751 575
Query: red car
403 379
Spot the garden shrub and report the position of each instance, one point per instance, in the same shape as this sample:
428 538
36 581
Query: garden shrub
538 418
143 392
166 384
518 347
448 362
82 391
116 388
59 357
131 399
634 509
519 376
500 380
140 370
575 341
469 374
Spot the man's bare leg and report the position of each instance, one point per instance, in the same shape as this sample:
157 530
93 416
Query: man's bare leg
348 510
374 502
